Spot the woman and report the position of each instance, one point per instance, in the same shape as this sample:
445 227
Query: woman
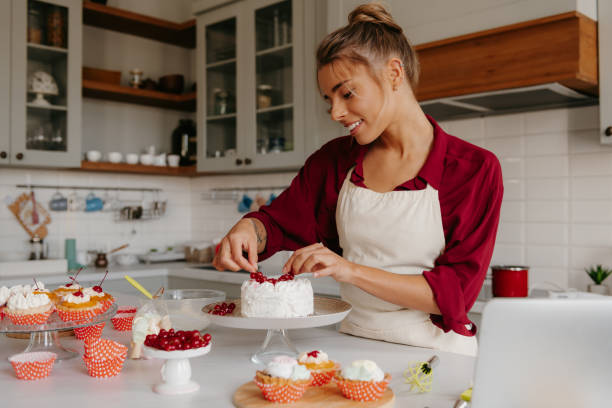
402 214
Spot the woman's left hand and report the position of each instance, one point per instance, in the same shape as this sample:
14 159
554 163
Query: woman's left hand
321 261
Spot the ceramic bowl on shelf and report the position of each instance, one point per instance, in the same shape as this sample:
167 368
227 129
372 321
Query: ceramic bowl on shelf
173 160
115 157
131 158
93 155
146 159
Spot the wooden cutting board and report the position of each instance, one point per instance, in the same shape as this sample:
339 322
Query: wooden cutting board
329 396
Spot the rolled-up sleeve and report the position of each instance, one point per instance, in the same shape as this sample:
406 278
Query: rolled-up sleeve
470 212
290 220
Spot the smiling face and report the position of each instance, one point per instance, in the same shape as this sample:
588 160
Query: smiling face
356 100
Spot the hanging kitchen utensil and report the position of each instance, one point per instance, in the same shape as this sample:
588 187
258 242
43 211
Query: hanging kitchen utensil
112 251
22 209
420 375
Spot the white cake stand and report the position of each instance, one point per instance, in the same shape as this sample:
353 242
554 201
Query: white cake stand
326 311
176 371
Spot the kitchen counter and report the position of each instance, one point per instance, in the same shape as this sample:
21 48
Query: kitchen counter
222 371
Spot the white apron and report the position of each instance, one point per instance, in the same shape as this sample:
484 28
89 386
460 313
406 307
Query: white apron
399 232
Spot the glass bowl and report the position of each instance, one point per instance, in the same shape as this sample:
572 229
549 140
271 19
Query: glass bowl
185 307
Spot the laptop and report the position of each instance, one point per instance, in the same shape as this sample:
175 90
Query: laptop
544 353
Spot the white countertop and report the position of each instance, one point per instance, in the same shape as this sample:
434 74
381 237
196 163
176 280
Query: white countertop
222 371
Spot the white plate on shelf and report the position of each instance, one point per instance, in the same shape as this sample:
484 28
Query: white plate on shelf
326 311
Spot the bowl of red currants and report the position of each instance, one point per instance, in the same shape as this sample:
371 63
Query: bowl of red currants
171 340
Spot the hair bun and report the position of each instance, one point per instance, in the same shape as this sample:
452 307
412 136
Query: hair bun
374 13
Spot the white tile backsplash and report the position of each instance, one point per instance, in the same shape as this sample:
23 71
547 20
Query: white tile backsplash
546 166
557 210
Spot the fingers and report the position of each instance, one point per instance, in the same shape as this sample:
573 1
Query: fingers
230 255
236 247
294 264
223 259
253 257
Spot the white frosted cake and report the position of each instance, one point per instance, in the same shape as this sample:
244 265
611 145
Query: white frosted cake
276 297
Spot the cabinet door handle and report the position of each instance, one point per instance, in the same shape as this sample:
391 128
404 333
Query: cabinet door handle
247 161
238 162
3 155
19 156
608 131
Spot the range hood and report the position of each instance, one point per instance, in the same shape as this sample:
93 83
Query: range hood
545 63
538 97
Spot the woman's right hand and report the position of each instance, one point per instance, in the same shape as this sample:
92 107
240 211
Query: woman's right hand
241 238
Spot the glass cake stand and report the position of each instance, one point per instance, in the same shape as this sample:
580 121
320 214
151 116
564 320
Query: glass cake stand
326 311
44 337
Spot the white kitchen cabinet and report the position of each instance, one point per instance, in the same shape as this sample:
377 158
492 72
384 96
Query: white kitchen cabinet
605 70
250 69
5 80
45 128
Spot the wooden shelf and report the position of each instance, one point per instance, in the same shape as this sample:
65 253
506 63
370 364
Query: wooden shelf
187 171
560 48
103 90
112 18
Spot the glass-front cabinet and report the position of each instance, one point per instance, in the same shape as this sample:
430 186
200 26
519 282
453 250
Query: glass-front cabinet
250 86
46 83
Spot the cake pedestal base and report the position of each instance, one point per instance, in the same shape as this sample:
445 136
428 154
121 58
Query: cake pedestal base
276 343
49 341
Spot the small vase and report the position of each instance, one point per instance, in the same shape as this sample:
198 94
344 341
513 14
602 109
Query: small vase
599 289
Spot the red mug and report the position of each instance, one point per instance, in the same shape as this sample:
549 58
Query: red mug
510 281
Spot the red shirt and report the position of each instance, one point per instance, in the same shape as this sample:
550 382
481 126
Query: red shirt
470 189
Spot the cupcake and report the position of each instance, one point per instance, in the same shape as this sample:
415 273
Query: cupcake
78 306
319 365
283 380
4 295
104 299
96 292
28 309
363 380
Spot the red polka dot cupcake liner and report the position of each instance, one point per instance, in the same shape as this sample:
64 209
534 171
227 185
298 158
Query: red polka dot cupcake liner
127 309
123 321
322 377
89 332
104 368
362 390
33 366
77 315
101 349
282 393
28 319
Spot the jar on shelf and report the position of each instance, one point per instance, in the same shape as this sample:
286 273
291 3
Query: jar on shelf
56 27
264 96
221 101
35 24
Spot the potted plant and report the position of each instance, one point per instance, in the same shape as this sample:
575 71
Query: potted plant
598 274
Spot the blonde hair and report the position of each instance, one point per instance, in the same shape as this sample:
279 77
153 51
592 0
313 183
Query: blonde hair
370 38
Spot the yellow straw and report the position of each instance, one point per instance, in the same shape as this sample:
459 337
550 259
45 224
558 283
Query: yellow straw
138 286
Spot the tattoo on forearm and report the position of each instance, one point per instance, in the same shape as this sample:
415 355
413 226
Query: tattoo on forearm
260 238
